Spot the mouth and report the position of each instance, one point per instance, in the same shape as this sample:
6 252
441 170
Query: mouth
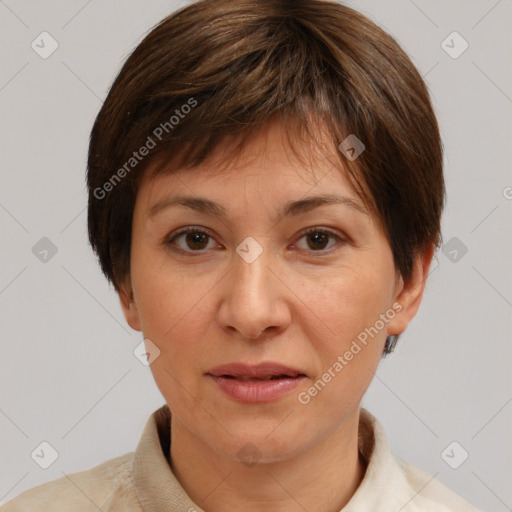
245 378
261 383
256 373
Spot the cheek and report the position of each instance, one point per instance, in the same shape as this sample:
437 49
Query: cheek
172 308
352 302
353 333
173 317
167 297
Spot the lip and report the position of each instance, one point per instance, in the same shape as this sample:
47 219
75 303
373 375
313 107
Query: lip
243 382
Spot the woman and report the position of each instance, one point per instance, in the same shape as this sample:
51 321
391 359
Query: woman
265 193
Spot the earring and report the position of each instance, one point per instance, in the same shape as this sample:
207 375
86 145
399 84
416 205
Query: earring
390 344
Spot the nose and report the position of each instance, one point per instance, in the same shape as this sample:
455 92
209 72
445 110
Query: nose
254 299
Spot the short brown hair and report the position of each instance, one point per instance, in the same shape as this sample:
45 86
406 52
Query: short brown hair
220 68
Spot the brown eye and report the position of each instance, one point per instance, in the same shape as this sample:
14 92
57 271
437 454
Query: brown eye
195 240
318 239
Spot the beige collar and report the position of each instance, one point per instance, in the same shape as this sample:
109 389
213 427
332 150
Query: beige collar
383 488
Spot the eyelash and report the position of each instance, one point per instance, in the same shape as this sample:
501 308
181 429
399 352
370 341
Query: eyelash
170 240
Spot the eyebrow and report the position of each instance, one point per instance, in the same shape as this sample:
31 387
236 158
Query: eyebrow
291 208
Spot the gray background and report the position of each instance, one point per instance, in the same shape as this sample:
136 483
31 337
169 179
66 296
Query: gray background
68 373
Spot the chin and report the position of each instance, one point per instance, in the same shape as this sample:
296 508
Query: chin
266 443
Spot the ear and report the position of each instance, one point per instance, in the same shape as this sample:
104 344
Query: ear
409 293
128 304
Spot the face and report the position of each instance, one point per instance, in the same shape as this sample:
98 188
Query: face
310 286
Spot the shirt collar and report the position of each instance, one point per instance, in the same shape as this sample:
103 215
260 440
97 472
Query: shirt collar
155 483
384 486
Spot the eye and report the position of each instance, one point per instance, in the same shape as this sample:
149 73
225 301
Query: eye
318 238
195 240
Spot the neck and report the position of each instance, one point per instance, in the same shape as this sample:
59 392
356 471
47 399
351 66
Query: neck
321 478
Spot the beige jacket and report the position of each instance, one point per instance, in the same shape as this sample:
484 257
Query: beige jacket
143 481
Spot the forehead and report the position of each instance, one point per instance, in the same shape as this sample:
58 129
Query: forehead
270 164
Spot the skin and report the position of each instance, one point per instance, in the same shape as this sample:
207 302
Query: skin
301 303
